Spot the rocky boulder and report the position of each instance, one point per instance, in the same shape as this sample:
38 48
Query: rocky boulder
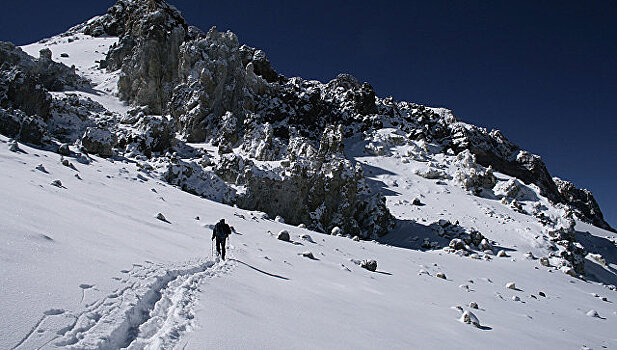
98 141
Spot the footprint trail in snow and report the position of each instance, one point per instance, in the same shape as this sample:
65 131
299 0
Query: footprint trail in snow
152 309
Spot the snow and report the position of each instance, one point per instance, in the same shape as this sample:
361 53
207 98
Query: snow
111 257
90 263
83 52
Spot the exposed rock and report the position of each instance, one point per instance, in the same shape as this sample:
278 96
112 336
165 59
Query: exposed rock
72 114
308 254
484 245
260 64
469 318
45 54
98 141
370 265
593 313
583 203
495 150
457 243
568 271
162 217
63 149
13 146
321 193
148 50
57 183
307 238
432 173
511 285
27 129
598 258
151 134
41 168
472 176
212 82
284 236
193 178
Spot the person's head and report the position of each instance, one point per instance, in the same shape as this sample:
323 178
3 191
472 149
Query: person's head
222 221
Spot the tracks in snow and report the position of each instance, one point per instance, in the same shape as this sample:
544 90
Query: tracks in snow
151 311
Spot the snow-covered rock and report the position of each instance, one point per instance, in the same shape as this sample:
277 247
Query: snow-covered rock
369 264
98 141
470 318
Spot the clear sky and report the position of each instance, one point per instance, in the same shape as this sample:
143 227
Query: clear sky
543 72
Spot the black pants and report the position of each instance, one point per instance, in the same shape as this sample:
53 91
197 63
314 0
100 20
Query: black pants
220 247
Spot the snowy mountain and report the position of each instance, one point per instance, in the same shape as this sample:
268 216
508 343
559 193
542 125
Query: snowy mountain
127 137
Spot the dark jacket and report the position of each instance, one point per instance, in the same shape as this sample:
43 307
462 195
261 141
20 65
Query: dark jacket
221 230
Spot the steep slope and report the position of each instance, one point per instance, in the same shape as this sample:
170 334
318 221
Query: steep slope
88 265
210 89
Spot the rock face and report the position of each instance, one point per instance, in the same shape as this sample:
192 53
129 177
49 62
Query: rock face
25 104
147 53
583 203
211 84
493 149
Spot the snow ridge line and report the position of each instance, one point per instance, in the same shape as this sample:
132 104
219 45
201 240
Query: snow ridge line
116 320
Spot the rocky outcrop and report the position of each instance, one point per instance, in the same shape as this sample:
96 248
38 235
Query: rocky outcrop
493 149
27 129
148 133
583 203
323 193
211 84
25 103
470 175
99 141
147 53
193 178
260 63
72 114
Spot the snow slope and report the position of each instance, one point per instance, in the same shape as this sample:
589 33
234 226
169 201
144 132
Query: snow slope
87 264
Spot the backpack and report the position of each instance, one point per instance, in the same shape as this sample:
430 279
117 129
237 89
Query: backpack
221 230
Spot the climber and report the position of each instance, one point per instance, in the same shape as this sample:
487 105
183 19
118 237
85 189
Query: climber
221 231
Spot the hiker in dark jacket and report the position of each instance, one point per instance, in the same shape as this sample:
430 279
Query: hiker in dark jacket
220 232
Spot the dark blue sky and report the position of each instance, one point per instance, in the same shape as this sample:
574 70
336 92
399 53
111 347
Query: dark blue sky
543 72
